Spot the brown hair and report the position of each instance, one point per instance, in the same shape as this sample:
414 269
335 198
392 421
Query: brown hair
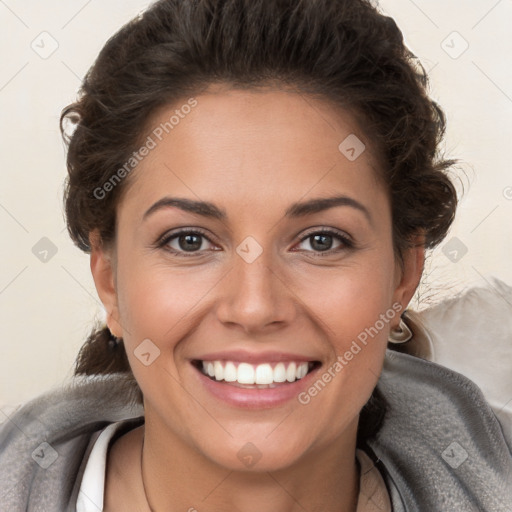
343 51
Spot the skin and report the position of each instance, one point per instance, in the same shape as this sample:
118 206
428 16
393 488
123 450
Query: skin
252 153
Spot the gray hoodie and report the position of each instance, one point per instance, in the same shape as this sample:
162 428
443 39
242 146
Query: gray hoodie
440 448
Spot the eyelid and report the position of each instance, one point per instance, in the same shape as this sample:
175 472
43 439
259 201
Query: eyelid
168 235
326 230
346 241
164 240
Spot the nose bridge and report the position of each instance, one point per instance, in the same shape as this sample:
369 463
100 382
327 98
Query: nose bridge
253 271
255 295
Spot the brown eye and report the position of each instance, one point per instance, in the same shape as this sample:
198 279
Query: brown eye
322 241
186 241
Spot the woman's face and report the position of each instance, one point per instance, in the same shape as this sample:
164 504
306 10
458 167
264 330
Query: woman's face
262 282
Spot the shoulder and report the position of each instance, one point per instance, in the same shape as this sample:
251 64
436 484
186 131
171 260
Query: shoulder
45 441
472 334
440 443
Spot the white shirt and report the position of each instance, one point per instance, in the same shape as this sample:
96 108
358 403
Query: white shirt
92 488
373 494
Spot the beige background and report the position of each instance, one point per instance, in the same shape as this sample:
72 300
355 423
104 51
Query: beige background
46 308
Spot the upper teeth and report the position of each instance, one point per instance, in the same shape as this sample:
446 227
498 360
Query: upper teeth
246 373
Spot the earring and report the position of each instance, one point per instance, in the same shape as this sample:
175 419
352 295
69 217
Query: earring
400 334
113 341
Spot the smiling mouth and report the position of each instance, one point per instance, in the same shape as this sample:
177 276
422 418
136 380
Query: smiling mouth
252 376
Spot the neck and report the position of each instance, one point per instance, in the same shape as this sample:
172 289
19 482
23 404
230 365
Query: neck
178 478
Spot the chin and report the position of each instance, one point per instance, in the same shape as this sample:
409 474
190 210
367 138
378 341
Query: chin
255 456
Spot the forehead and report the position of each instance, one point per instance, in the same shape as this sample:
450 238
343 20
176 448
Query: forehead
253 148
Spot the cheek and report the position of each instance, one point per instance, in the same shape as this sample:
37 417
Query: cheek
360 304
353 297
158 301
355 311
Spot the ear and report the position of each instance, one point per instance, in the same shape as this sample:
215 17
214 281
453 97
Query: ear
103 273
408 278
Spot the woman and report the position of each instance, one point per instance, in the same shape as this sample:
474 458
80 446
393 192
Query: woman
256 184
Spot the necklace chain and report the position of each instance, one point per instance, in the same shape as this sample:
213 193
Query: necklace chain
142 475
144 486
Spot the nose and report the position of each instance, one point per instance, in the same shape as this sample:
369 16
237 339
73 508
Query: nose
255 296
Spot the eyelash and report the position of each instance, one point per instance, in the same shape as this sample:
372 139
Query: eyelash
165 239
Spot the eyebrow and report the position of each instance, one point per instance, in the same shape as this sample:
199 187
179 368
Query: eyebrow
300 209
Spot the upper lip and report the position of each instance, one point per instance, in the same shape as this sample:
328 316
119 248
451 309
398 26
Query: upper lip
254 357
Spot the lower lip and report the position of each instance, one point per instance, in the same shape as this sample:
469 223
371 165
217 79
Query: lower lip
255 398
